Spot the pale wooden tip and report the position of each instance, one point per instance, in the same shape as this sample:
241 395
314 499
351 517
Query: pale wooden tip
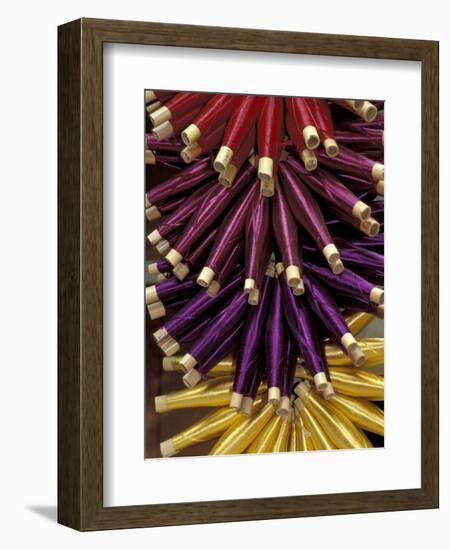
170 346
378 171
149 96
293 275
223 158
253 297
273 395
163 131
284 406
161 403
377 296
361 210
328 392
148 204
152 213
156 310
300 288
311 137
370 227
265 169
226 178
246 406
151 107
353 350
181 271
236 400
320 381
153 268
331 147
337 268
168 364
368 111
167 448
331 253
154 237
162 246
149 157
191 134
160 335
379 187
173 257
191 152
302 389
188 362
249 285
191 378
206 276
151 295
309 160
279 268
267 188
160 116
213 288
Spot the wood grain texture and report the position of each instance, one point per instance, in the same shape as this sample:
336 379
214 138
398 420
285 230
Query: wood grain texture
80 397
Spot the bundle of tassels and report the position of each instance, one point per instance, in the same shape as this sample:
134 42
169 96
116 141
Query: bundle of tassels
272 245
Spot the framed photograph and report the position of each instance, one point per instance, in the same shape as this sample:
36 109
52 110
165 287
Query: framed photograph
230 265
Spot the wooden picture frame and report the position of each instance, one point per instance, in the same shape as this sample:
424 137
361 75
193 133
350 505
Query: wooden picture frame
80 272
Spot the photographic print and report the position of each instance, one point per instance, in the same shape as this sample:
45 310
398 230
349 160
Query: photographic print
264 291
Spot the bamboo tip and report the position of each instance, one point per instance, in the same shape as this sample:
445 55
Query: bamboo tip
331 147
170 346
284 406
173 257
154 237
226 178
370 227
309 160
149 96
299 289
253 297
191 152
328 392
377 296
160 116
153 268
368 111
151 107
265 169
151 295
152 213
302 389
156 310
168 364
149 157
160 335
311 137
191 134
379 187
163 246
293 275
163 131
337 268
273 395
247 406
191 378
188 362
181 271
236 400
378 171
249 285
167 448
353 350
214 288
206 276
148 204
161 403
279 268
331 253
320 381
223 158
267 188
298 404
361 210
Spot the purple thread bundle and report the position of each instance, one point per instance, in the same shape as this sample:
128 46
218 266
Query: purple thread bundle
248 357
182 182
256 232
285 229
231 229
276 338
200 305
288 372
211 209
301 328
231 261
304 207
347 162
167 290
